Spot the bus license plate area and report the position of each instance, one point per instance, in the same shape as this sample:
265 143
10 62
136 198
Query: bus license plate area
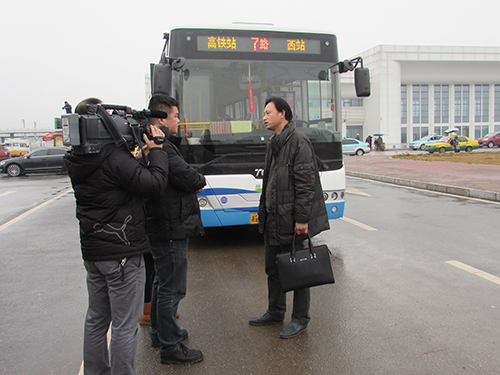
254 219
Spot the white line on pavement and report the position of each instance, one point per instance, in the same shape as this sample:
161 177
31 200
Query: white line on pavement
475 271
430 191
7 193
27 213
358 224
350 190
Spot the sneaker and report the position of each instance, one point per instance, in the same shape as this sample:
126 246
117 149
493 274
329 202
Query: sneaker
155 343
183 355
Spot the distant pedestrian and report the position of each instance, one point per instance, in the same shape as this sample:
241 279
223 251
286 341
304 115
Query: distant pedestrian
453 140
357 137
369 140
67 107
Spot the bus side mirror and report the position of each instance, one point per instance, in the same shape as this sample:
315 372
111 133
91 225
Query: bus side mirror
161 78
362 82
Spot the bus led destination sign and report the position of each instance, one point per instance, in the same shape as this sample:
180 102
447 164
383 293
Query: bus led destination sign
257 44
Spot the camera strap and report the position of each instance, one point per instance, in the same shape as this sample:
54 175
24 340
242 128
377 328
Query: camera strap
110 126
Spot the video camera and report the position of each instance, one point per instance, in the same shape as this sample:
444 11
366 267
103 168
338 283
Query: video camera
108 123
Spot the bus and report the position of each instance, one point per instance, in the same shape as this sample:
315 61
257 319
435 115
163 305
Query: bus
222 78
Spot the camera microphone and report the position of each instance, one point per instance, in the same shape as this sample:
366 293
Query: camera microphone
154 113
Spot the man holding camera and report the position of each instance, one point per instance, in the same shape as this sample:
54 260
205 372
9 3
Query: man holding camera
110 187
173 218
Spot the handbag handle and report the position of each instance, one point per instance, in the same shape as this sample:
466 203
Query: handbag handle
311 251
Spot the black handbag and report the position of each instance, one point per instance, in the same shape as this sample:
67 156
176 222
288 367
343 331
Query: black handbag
305 268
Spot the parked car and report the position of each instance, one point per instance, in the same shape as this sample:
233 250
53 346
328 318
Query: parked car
41 160
420 143
490 140
465 143
4 152
352 146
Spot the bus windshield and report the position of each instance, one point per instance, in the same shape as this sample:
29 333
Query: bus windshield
223 102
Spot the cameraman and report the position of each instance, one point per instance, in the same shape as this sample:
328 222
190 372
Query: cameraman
110 187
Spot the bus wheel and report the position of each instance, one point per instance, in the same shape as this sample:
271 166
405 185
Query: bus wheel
13 170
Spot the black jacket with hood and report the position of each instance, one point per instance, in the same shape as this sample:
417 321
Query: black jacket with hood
110 188
296 194
175 214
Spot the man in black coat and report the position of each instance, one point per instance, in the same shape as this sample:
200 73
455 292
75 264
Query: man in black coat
110 187
173 218
291 202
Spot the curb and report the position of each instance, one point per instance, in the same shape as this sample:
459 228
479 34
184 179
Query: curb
454 190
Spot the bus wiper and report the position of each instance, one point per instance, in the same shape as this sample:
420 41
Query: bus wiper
217 159
322 165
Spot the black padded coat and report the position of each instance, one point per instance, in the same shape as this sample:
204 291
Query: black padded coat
110 188
175 215
296 194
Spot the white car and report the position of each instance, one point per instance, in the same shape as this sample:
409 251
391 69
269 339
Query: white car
420 143
351 146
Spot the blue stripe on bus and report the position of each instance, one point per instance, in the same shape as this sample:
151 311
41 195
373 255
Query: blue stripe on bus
225 191
241 216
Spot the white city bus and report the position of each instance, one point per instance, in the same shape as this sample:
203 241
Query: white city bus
222 79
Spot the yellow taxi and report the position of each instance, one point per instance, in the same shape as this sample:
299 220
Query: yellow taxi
443 145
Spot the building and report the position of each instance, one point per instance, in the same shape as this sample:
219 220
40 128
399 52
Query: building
421 90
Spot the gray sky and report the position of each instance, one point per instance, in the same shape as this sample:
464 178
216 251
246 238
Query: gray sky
55 50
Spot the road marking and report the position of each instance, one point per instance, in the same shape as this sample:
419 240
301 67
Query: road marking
475 271
7 193
27 213
430 191
358 224
350 190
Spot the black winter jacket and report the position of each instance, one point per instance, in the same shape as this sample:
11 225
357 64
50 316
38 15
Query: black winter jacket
110 188
175 215
297 196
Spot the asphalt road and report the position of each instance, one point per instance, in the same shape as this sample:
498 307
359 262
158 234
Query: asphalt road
398 305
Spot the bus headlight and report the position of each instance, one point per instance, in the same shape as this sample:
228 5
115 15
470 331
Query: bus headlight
335 195
325 196
202 202
334 209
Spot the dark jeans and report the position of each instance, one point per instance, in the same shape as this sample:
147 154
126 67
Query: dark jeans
150 276
169 288
277 299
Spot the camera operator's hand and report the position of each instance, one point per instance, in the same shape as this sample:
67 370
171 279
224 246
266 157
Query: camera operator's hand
150 143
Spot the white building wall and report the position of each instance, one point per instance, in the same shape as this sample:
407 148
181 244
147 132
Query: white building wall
392 66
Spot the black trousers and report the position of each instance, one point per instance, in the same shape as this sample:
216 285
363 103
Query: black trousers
277 299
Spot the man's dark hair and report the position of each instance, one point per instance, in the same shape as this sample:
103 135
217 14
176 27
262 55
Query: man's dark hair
281 105
81 108
162 102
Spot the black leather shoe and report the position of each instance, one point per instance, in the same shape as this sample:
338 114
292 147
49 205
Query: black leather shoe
292 330
183 356
155 343
265 319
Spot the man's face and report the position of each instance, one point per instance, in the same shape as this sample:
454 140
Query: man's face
273 119
172 121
